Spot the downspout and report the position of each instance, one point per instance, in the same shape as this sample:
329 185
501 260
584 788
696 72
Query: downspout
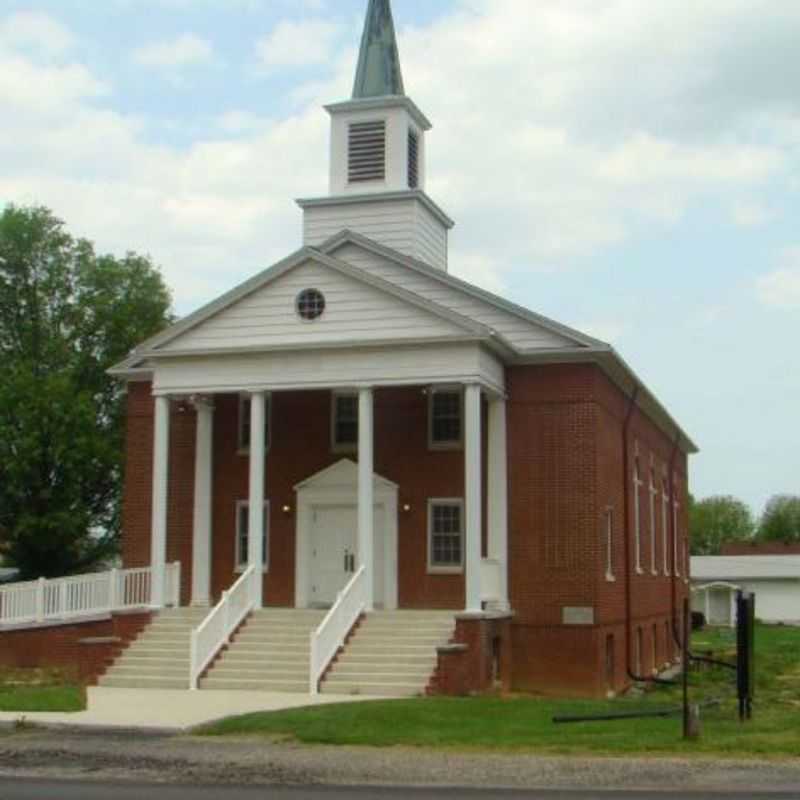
627 526
673 541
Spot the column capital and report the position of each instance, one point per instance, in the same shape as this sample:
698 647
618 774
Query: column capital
202 402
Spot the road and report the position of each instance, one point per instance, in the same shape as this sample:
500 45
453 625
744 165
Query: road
16 789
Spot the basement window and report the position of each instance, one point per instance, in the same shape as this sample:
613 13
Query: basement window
244 423
366 152
243 533
446 536
344 423
445 415
413 159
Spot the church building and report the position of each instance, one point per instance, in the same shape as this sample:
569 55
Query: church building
358 473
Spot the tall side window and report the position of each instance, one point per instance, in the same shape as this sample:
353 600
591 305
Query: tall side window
608 534
367 151
446 535
665 524
243 533
344 421
637 514
244 423
639 651
445 418
675 536
653 531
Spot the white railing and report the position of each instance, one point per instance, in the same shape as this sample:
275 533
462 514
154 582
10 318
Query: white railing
84 595
217 628
329 637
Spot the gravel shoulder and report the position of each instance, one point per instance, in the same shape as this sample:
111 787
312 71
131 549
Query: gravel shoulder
161 759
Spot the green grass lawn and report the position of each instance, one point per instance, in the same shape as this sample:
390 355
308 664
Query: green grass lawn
40 690
525 723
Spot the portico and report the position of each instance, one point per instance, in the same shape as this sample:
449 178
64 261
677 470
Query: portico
372 500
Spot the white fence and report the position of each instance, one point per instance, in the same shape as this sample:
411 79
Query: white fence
218 627
329 637
84 595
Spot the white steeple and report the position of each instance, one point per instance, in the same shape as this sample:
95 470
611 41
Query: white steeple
377 169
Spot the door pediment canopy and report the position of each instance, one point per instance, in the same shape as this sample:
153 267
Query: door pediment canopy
343 475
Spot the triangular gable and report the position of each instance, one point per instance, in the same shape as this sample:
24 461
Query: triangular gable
342 474
360 308
523 329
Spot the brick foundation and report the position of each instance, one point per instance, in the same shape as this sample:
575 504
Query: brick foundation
86 649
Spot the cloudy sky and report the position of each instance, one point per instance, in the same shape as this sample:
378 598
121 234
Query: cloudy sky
630 167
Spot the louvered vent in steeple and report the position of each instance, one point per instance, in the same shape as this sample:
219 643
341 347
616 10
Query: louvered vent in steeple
367 152
413 159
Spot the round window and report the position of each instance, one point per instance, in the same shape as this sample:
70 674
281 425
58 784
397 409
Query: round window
310 304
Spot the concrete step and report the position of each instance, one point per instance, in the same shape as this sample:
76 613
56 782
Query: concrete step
372 689
166 670
268 672
248 661
267 650
359 647
389 659
239 685
144 682
401 639
421 672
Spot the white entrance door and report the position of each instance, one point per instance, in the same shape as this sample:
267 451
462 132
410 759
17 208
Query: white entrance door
334 552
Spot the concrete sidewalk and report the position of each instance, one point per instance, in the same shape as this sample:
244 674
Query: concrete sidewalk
169 710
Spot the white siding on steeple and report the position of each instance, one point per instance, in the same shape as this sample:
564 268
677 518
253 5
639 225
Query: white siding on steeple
522 334
355 312
404 224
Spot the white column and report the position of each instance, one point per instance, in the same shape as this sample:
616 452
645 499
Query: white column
472 487
365 492
203 491
255 547
158 529
497 498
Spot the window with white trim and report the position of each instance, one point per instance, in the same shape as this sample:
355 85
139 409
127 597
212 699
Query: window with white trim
445 418
675 557
637 514
446 535
609 542
244 422
344 421
653 532
665 524
243 533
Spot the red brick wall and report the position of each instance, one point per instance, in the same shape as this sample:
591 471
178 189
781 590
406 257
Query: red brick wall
566 468
60 645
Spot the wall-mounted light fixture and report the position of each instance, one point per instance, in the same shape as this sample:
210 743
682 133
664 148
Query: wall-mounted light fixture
287 509
406 508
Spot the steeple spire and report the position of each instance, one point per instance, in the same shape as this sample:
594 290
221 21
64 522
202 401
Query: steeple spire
379 73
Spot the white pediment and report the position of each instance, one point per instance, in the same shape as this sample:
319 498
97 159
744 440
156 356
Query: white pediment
343 475
358 310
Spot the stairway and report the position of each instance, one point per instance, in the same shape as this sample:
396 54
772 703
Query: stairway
159 657
391 654
269 654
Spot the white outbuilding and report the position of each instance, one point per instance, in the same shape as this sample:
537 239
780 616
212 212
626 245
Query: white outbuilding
775 580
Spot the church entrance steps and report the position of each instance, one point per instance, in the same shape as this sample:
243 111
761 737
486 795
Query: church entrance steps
391 654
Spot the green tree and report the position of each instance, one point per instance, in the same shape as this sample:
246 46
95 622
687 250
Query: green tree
718 520
781 520
66 315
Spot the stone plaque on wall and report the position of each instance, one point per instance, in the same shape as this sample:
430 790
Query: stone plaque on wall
577 615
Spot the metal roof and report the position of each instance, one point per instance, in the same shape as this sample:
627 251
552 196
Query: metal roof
733 568
378 73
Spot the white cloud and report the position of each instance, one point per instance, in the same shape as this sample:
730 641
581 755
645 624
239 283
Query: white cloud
751 214
781 288
37 31
185 50
295 44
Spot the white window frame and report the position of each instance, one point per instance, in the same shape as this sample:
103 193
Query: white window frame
239 567
637 514
451 445
665 524
609 542
675 546
244 449
444 569
653 532
342 447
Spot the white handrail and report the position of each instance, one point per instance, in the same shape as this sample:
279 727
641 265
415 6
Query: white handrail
329 637
83 595
217 628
